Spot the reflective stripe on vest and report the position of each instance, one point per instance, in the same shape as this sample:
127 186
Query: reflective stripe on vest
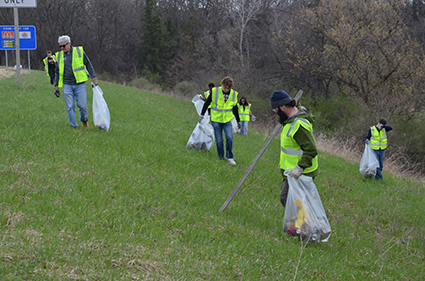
221 111
78 68
378 139
291 152
244 113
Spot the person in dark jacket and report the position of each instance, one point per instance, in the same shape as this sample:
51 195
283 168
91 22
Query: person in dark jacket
49 66
377 137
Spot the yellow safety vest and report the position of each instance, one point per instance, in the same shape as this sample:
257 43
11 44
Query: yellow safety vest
206 94
244 113
46 63
78 67
291 152
221 111
378 139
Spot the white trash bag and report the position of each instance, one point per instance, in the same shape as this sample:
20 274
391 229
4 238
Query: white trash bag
235 128
101 116
199 104
369 162
305 216
202 137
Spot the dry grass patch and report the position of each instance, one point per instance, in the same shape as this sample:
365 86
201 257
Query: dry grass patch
8 72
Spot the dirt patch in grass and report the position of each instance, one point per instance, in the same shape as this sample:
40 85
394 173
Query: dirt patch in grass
8 72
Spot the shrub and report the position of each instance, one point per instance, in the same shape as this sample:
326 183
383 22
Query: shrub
144 84
187 89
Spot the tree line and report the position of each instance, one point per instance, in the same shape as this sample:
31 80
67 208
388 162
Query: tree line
356 60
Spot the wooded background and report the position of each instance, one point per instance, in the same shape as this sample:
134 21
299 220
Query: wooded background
356 60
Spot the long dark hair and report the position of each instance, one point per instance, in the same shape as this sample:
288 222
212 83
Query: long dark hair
244 104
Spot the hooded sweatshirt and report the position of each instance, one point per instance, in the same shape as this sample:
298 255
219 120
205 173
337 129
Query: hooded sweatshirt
305 140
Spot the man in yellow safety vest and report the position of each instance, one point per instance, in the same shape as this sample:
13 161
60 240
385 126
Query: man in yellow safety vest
298 146
224 104
70 73
377 137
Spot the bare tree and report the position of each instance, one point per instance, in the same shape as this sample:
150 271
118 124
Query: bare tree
363 48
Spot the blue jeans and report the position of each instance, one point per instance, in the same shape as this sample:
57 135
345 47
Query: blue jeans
244 128
80 94
218 132
380 155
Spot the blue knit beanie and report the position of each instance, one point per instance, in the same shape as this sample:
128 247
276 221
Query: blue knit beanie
279 98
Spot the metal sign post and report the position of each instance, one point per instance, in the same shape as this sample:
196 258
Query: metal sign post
18 53
15 4
18 3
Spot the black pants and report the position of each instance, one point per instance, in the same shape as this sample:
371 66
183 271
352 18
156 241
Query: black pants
284 192
52 75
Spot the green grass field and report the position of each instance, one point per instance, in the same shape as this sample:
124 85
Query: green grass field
134 204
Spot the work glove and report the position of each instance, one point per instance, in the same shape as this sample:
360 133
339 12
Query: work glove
367 141
200 120
296 172
94 80
57 93
239 125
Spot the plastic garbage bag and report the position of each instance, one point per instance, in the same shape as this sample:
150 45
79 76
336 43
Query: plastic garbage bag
235 128
199 104
101 116
202 137
369 162
253 118
305 216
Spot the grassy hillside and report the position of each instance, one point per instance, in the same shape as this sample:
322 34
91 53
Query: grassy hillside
134 204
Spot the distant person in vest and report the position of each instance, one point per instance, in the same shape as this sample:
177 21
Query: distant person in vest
207 93
298 149
70 73
377 137
244 114
224 104
49 66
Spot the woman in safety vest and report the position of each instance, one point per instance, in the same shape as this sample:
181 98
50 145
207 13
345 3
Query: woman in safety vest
244 114
377 137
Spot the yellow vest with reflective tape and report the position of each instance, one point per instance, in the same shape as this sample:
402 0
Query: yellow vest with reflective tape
291 152
46 63
206 94
78 67
221 110
378 139
244 113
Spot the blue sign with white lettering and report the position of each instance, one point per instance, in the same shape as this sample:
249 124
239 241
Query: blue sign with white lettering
27 38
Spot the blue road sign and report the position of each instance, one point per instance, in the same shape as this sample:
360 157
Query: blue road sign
27 38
